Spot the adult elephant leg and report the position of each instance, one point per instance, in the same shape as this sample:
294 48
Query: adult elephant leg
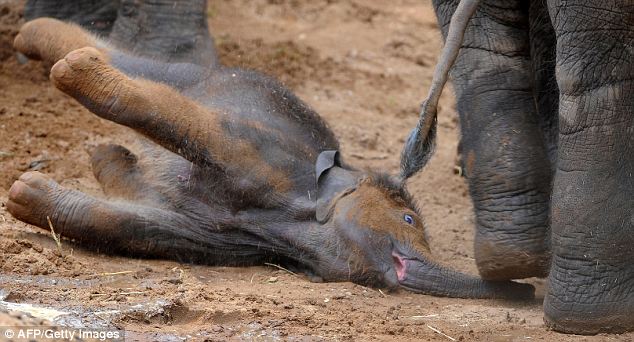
542 41
503 151
591 282
167 30
98 16
50 40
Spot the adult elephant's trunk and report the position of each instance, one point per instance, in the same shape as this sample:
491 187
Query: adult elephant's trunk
422 276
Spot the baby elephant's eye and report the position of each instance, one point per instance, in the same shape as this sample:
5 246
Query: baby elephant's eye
408 218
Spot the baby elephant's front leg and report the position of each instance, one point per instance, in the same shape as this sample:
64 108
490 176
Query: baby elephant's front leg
155 110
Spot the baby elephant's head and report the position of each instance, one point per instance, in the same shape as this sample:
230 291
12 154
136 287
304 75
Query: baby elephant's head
377 237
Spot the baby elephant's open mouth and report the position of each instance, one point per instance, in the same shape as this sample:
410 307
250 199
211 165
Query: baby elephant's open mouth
417 274
400 265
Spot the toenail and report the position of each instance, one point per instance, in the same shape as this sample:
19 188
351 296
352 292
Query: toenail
18 41
73 56
59 69
14 191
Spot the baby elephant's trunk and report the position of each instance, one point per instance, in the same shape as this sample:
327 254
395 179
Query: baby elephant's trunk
430 278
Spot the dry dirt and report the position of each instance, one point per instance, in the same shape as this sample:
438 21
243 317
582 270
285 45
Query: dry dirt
365 67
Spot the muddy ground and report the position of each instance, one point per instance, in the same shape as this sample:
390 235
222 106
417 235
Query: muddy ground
365 67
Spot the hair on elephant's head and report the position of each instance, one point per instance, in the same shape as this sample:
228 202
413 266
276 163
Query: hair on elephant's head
376 236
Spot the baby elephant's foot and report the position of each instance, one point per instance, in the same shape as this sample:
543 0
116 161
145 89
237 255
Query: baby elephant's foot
86 75
115 227
50 40
37 199
34 197
81 71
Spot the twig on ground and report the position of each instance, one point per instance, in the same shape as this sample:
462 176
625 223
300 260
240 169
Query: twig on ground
92 295
113 294
5 154
424 316
105 274
55 236
281 268
382 294
440 332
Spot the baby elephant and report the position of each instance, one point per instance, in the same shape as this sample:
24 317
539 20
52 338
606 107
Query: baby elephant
235 170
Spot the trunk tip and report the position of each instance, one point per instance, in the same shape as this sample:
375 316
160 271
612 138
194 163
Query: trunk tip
517 291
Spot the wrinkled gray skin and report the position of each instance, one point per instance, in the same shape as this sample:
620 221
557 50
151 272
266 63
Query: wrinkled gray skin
545 96
96 15
179 28
274 191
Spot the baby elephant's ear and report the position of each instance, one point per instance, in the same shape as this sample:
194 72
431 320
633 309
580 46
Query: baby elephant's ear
332 182
325 161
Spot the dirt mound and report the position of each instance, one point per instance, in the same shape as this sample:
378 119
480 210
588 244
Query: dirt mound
25 257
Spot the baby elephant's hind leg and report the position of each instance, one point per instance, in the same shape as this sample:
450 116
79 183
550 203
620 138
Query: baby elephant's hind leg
119 227
50 40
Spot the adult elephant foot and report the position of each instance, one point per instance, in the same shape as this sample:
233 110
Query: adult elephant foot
503 153
591 282
509 186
